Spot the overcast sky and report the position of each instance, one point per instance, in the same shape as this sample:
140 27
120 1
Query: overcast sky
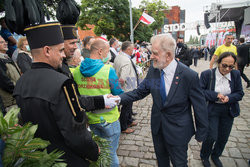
194 9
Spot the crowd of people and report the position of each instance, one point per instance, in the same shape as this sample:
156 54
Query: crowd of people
190 55
70 90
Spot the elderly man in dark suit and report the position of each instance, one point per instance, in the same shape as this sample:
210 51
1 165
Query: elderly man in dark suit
174 88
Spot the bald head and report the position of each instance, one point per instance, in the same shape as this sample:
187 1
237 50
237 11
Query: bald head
97 44
99 49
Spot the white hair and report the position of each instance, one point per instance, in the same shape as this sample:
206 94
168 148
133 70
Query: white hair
77 52
166 42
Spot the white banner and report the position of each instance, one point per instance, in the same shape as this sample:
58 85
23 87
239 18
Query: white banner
193 26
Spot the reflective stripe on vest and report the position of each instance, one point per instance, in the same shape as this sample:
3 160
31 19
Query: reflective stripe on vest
95 85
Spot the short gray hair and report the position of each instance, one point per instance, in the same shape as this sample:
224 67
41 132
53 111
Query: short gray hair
166 42
125 45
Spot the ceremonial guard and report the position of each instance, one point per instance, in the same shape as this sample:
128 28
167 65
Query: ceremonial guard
70 41
49 99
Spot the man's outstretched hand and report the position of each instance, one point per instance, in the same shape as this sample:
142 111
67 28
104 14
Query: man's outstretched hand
111 101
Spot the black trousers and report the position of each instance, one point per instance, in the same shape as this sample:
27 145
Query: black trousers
195 61
241 69
126 116
220 125
166 152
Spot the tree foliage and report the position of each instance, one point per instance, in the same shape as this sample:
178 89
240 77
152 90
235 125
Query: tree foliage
154 9
193 40
143 32
111 17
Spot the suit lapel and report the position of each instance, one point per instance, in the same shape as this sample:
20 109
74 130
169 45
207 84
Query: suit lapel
231 82
175 83
213 79
158 74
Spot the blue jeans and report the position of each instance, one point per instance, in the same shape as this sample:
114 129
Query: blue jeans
112 133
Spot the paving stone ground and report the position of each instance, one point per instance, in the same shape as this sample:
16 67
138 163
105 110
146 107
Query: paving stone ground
136 149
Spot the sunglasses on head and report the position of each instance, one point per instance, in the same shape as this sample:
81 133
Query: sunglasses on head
225 66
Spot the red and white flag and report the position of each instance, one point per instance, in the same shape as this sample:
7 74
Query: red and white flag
146 19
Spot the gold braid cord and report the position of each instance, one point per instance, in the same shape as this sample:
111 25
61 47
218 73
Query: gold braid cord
81 109
70 103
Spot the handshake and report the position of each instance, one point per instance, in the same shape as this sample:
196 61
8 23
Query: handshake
111 101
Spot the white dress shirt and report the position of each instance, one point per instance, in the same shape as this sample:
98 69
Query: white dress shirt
169 72
114 51
222 83
127 55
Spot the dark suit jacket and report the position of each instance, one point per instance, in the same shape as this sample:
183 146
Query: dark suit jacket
211 96
175 116
112 56
243 54
24 62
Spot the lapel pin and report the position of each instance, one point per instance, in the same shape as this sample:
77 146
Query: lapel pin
177 77
176 83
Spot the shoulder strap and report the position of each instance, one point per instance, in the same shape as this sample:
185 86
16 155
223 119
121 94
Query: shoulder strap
72 99
211 80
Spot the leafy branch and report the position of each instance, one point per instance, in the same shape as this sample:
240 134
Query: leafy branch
21 148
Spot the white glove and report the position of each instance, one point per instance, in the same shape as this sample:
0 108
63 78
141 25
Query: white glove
111 102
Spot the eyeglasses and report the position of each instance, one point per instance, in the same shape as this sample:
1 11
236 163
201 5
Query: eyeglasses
225 66
1 42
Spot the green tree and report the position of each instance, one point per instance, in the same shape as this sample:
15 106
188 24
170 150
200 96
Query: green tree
154 9
196 41
191 40
143 32
110 17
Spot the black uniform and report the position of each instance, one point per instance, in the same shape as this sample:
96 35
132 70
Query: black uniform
65 69
183 54
48 98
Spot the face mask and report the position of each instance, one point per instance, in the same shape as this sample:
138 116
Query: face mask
27 47
81 58
105 59
118 49
180 45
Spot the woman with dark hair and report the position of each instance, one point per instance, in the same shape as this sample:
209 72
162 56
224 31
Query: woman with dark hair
223 90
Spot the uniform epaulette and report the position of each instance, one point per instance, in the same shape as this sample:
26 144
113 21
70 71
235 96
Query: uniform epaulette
72 99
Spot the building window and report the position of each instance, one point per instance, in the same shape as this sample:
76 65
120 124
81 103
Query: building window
166 21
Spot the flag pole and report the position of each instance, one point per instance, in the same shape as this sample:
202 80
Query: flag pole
138 22
131 22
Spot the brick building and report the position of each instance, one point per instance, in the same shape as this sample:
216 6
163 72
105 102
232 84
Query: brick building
84 33
174 15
